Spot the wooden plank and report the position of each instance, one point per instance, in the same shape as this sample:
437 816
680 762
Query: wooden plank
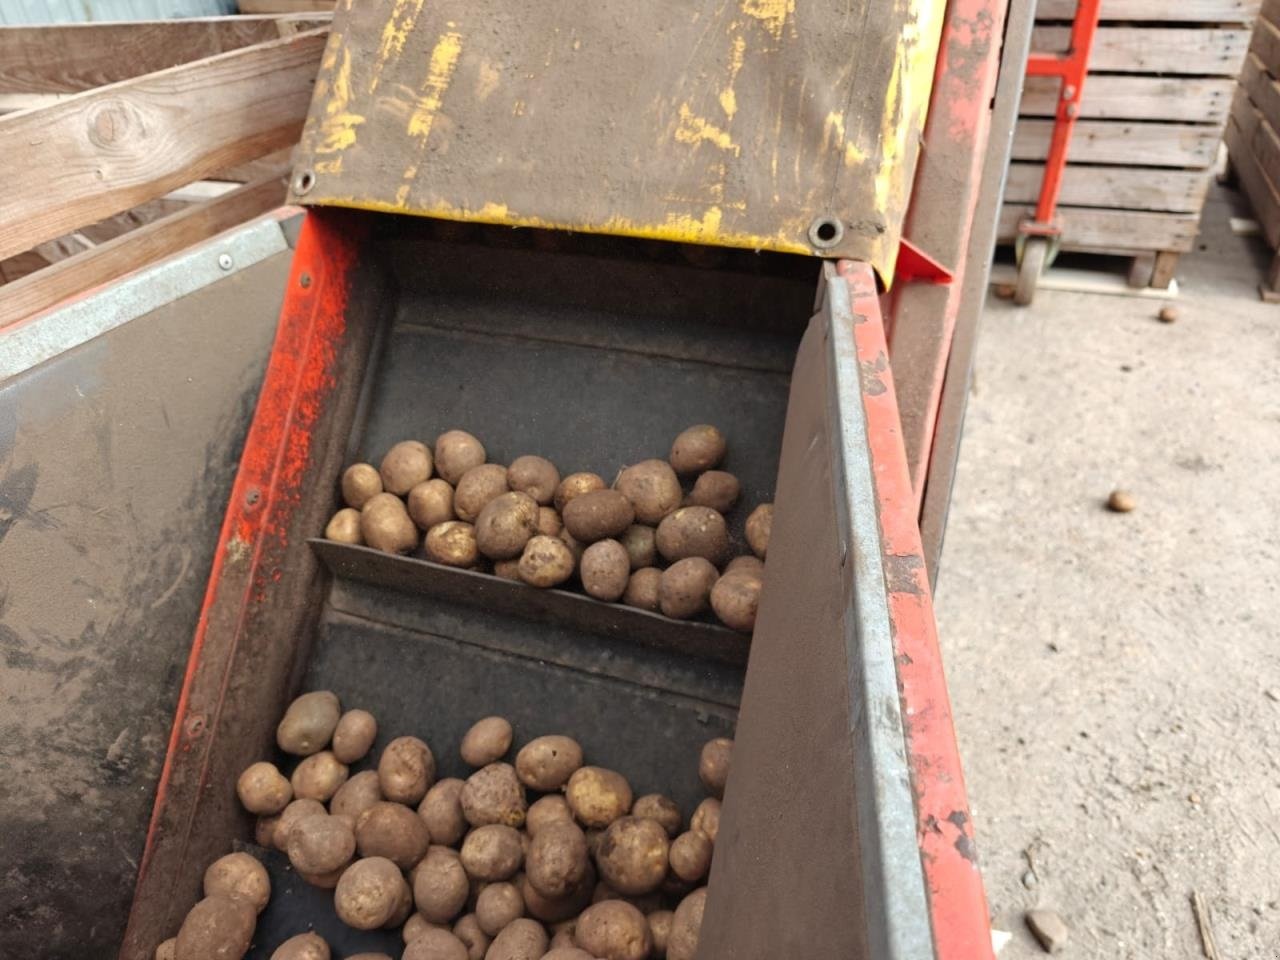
284 6
1141 270
1259 138
81 56
110 149
1266 44
1263 197
1165 269
1205 51
1107 97
1129 188
109 261
1122 142
1187 11
1271 11
1110 231
1262 88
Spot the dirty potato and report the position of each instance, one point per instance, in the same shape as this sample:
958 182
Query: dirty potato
653 489
293 814
263 790
238 876
354 735
686 923
576 547
690 856
497 905
697 449
552 808
693 532
614 930
643 589
385 525
521 939
557 909
477 487
368 893
566 951
394 831
406 465
357 795
546 763
360 482
308 723
452 543
735 598
759 527
660 931
536 476
508 569
715 489
304 946
441 811
549 523
320 844
605 570
706 818
431 503
685 587
435 944
467 929
713 765
598 796
440 885
654 806
558 859
575 485
344 527
487 741
506 523
492 852
494 794
746 563
633 855
457 452
596 515
318 777
406 769
216 927
639 541
546 562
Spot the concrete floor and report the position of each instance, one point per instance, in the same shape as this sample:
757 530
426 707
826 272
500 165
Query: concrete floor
1116 678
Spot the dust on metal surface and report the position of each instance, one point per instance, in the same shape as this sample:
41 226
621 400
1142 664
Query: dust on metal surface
763 124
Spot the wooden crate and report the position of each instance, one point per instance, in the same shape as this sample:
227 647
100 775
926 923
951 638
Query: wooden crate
1159 92
1253 135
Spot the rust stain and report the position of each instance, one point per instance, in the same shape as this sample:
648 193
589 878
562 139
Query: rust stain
902 573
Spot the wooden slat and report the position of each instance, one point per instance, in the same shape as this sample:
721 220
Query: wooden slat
1186 11
1263 197
1187 99
1259 138
110 149
1271 12
1123 188
109 261
284 6
1111 231
1122 142
1266 44
1262 88
1208 52
81 56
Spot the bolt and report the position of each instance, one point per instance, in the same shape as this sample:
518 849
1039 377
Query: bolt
225 261
305 280
1073 110
1068 92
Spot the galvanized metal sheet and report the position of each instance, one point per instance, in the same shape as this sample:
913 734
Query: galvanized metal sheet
763 124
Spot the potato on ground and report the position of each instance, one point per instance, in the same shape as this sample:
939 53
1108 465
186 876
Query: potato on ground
318 845
633 855
360 482
293 814
435 944
494 794
697 449
558 860
614 930
492 852
557 909
406 769
430 503
394 831
713 765
216 928
605 570
457 452
759 527
596 515
385 525
549 522
440 885
575 485
452 543
238 876
693 532
318 777
643 589
686 923
536 476
357 795
715 489
690 856
354 735
654 806
641 549
598 796
368 893
497 905
706 818
486 742
685 588
344 527
547 762
552 808
505 524
660 931
305 946
546 562
263 790
521 939
467 929
441 811
308 723
478 487
405 465
653 489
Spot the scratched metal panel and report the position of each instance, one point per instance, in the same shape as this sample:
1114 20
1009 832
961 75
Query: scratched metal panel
745 123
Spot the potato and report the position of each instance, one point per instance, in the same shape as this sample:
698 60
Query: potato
660 931
564 952
417 925
238 876
614 930
494 794
713 765
263 789
759 527
406 769
562 934
167 949
435 945
508 569
217 928
318 777
360 481
596 515
344 527
441 811
598 796
686 923
605 570
633 855
549 522
685 587
477 487
467 929
440 885
264 830
452 543
693 532
575 485
577 548
654 806
706 818
457 452
393 831
697 449
325 881
546 562
546 763
549 809
431 503
641 550
356 795
403 910
486 742
492 852
293 814
308 723
653 489
320 844
646 903
497 905
505 525
553 910
536 476
521 939
354 735
747 562
557 860
715 489
690 856
385 525
368 893
642 589
305 946
406 465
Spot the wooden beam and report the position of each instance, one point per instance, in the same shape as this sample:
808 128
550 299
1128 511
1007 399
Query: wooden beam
109 261
1111 231
81 56
1127 188
1262 194
1205 51
1187 11
1107 97
104 151
1262 88
1122 142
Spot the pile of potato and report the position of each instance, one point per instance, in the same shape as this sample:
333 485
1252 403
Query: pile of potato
644 541
469 869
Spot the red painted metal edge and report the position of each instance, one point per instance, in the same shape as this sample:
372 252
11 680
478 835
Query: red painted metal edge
957 901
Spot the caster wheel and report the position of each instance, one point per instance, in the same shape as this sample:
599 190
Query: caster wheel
1035 255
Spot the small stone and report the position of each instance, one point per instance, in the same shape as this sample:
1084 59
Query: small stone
1048 928
1029 879
1121 501
1168 314
1193 799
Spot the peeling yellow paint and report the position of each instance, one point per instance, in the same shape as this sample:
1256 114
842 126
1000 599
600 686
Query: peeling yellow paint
329 166
832 132
404 13
694 130
729 99
728 102
517 109
338 126
853 156
772 13
444 60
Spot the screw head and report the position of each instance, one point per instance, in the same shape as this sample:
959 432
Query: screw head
225 261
